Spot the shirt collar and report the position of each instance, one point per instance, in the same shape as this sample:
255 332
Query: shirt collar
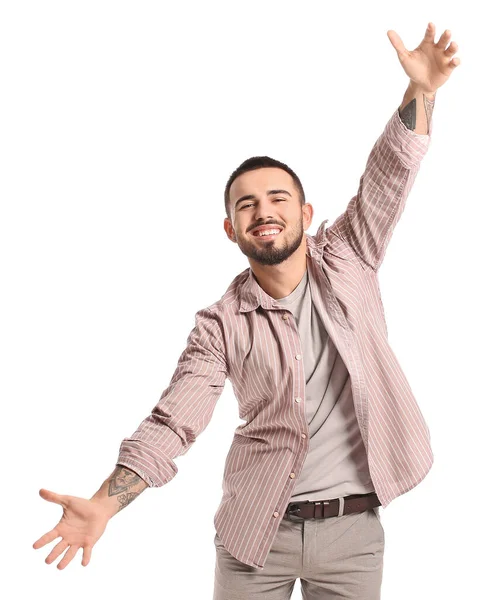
253 295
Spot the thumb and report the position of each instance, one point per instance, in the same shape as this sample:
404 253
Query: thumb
397 43
52 497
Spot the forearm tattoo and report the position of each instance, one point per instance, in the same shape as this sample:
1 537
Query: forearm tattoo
409 114
429 107
120 483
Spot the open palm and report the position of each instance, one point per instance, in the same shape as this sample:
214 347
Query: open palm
430 64
81 526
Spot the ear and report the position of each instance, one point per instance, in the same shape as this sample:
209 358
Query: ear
307 211
229 230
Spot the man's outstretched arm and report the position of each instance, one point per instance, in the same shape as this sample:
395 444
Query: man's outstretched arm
361 234
182 413
184 408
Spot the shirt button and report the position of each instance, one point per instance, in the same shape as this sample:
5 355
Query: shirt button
285 317
304 435
298 399
276 514
298 356
292 475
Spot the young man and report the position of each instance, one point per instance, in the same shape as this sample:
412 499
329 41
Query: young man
332 430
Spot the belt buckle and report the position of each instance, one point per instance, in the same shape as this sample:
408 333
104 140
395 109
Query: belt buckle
316 511
293 511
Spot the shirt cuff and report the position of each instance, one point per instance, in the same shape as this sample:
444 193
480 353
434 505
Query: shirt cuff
410 146
148 461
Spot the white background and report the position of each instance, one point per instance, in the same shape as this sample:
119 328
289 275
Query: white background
120 124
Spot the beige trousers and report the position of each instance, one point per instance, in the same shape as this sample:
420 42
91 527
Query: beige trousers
335 558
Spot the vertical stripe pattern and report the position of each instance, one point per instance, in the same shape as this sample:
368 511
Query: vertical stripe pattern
245 337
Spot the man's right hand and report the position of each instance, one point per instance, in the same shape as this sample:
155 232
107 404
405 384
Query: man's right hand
81 526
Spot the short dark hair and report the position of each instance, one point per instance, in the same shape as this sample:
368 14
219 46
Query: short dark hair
260 162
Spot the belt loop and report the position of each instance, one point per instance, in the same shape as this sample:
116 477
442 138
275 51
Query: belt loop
341 507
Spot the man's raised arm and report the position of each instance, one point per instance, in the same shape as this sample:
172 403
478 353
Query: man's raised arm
362 232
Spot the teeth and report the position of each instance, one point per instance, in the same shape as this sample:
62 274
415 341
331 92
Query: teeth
268 232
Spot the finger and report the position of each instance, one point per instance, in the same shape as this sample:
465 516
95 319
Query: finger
444 39
455 62
87 550
56 551
397 43
451 49
430 32
46 538
52 497
68 557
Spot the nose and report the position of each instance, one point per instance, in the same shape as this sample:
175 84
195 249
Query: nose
263 213
263 217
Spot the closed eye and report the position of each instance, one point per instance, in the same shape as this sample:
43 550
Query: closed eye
276 200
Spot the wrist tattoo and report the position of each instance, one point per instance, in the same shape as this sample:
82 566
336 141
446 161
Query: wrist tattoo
119 484
409 114
125 499
429 107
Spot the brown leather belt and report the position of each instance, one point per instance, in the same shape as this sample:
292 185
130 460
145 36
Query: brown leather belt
320 509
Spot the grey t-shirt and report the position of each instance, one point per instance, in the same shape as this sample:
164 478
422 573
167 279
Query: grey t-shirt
336 464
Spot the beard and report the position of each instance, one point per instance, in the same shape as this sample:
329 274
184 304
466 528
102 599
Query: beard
275 251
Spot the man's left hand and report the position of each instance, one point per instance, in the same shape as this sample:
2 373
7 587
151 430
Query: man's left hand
430 65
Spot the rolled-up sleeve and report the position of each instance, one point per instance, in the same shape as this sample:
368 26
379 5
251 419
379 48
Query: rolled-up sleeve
185 407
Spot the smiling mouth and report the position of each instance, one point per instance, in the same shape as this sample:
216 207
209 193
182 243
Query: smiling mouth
267 237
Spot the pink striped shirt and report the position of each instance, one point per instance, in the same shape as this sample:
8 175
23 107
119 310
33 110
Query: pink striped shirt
250 338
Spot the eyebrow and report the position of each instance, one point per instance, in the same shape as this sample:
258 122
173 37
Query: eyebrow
253 197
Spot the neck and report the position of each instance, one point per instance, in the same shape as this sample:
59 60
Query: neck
280 280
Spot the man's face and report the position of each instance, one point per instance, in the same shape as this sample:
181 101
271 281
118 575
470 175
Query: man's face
251 206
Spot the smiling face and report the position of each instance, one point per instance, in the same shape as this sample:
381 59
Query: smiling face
266 197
